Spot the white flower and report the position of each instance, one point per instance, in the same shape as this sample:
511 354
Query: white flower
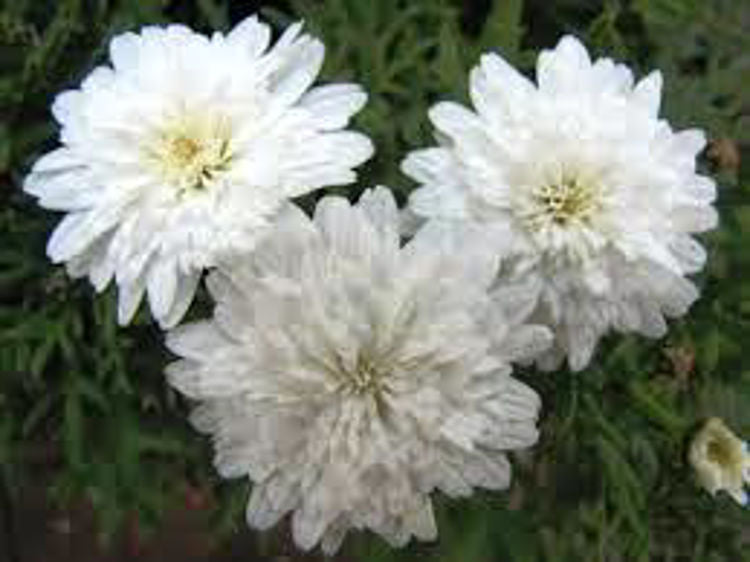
721 460
590 197
184 150
348 378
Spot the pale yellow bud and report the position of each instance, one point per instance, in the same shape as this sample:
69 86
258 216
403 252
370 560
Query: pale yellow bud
721 460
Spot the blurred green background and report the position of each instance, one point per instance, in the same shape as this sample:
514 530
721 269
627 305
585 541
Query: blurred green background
96 459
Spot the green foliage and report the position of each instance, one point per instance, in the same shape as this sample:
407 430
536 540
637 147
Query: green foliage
608 481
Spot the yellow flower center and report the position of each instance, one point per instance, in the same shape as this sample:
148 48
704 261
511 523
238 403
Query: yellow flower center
182 151
365 378
720 452
564 202
190 152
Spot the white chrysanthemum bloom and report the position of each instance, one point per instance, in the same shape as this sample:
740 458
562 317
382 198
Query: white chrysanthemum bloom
348 377
721 460
184 150
589 195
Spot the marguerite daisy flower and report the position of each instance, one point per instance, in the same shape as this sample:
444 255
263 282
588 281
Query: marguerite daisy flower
184 150
588 194
348 377
721 460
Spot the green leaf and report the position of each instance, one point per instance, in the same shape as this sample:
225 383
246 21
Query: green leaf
503 29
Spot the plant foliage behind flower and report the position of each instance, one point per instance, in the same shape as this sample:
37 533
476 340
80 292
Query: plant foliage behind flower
610 481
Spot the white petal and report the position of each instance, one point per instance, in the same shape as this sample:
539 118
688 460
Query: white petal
409 222
328 163
516 301
251 36
611 78
379 206
491 470
333 538
195 340
700 189
67 107
497 89
58 160
455 120
307 528
187 283
162 285
565 68
525 343
466 251
67 190
740 496
439 201
689 143
125 52
652 323
343 229
677 295
689 253
429 166
290 36
128 298
695 218
77 231
297 77
582 343
551 360
421 522
96 262
333 105
647 93
261 513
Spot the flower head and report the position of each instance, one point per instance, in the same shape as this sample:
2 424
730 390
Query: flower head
591 198
184 150
348 377
721 460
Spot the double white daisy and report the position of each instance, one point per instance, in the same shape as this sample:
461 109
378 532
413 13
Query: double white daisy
348 377
590 197
184 150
